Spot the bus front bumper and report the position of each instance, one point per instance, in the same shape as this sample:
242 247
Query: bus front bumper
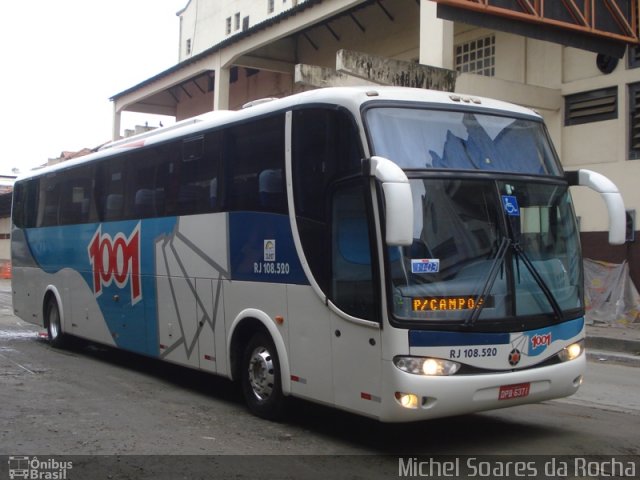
408 397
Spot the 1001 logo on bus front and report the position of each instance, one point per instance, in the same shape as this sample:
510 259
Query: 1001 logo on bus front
116 260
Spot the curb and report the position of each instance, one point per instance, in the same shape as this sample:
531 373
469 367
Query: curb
615 358
627 346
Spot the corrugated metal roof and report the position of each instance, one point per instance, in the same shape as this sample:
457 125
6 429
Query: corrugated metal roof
219 46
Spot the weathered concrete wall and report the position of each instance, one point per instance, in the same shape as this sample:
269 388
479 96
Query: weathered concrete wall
320 77
387 71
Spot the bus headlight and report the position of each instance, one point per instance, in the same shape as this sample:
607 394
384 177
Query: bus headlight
426 366
572 351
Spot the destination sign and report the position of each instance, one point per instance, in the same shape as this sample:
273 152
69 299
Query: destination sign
448 303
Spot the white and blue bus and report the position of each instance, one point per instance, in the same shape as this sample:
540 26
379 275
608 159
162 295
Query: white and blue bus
402 254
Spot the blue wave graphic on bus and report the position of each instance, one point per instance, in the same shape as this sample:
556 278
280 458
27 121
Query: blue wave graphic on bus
118 265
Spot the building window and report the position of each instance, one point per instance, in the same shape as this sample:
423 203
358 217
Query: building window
270 6
245 23
634 121
188 48
477 56
630 235
633 56
236 21
228 26
592 106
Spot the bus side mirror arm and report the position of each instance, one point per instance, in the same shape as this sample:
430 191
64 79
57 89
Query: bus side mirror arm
612 199
398 201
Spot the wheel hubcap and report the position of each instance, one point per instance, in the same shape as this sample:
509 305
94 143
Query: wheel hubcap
261 373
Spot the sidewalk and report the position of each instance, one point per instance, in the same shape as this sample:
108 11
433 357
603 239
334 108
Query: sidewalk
620 345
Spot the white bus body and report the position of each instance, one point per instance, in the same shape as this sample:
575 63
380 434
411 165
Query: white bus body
402 254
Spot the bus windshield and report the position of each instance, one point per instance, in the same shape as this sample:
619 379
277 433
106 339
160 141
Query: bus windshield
421 138
491 249
486 248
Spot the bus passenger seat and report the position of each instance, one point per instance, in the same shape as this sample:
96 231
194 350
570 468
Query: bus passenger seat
144 202
270 188
189 199
113 206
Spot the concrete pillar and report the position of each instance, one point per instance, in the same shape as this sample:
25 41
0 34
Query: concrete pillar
117 120
436 37
221 90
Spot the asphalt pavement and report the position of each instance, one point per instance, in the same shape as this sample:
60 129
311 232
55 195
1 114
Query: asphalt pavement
604 343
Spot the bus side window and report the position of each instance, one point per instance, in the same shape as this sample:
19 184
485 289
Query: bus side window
110 190
209 170
76 205
25 207
330 213
48 201
141 197
166 182
352 278
254 165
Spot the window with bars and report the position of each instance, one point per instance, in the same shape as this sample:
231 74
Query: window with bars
477 56
228 26
270 6
592 106
634 121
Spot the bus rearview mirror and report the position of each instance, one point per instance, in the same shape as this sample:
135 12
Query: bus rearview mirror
612 199
398 201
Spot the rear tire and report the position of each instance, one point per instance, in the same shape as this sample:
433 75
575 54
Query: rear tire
54 324
261 379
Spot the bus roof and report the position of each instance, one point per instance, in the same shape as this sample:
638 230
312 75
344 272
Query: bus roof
352 98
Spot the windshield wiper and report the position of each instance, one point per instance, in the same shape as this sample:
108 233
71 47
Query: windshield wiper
491 279
539 280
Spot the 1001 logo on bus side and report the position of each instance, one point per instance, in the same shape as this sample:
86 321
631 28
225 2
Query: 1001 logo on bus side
116 260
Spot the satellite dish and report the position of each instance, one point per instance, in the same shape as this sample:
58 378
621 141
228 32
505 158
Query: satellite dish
606 63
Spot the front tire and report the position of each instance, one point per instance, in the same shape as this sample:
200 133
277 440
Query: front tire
261 378
54 324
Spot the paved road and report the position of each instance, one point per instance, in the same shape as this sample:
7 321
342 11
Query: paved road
91 400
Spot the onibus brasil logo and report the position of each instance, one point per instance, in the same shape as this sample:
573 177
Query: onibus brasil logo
116 259
36 469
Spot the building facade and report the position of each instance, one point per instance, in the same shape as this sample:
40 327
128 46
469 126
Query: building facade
235 51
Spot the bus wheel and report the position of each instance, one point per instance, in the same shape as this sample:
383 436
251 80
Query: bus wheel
261 380
54 325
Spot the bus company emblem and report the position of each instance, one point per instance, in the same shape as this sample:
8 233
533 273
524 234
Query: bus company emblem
540 340
514 357
269 251
116 260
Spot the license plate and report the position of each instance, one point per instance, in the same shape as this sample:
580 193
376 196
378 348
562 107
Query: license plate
508 392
